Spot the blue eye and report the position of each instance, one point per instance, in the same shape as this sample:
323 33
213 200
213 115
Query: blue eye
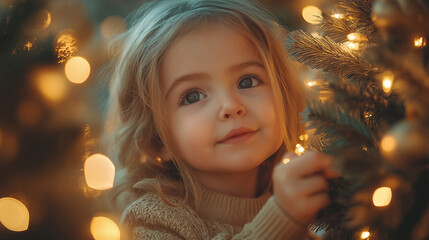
248 82
192 96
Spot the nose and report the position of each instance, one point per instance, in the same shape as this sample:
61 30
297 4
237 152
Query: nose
231 108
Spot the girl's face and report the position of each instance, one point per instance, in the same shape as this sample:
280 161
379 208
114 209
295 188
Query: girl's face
219 105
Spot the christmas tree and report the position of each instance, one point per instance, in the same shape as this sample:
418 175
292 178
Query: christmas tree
372 115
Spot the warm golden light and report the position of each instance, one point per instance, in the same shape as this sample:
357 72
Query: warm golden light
28 46
388 143
357 37
338 15
312 14
112 26
419 42
66 45
14 214
382 197
43 20
51 84
387 81
299 149
102 228
311 84
77 70
158 159
365 235
303 137
353 45
285 160
99 172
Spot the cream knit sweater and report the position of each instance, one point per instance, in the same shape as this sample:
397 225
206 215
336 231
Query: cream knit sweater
219 217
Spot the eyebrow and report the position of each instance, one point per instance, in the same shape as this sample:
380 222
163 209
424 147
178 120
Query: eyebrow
196 76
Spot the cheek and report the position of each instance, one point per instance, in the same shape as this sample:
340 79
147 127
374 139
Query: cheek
190 132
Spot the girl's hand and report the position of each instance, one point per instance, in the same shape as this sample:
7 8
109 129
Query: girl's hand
300 186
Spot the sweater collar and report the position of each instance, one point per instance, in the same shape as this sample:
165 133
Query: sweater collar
228 209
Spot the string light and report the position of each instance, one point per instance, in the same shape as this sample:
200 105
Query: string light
367 114
338 15
357 37
388 143
419 42
299 149
285 160
103 228
312 14
77 70
99 172
365 234
382 196
14 214
387 81
352 45
158 159
303 137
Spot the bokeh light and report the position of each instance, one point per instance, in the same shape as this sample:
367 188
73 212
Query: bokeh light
388 143
99 172
419 42
382 196
66 45
365 235
77 70
51 84
42 20
387 81
112 26
14 214
103 228
312 14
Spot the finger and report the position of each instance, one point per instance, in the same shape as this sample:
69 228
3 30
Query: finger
313 185
330 173
309 164
318 201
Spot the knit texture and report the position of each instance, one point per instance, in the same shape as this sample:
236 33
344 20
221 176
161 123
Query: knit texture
220 217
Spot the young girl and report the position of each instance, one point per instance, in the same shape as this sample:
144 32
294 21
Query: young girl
204 108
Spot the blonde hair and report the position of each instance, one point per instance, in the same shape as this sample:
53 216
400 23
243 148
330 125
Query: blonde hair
135 117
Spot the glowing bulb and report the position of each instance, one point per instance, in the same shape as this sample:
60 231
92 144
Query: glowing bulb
99 172
14 214
357 37
353 45
158 159
382 196
303 137
388 143
285 160
299 149
310 84
365 235
312 14
387 81
419 42
338 15
102 228
77 70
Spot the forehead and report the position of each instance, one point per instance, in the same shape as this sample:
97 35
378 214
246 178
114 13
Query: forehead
209 48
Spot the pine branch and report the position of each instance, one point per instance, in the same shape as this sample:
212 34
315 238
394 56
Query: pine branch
359 14
335 28
324 53
336 127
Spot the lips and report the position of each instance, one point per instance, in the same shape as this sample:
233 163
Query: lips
238 135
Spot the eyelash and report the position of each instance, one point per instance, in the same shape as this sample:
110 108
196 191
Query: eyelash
182 98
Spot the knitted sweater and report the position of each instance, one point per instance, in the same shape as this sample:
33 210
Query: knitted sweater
219 217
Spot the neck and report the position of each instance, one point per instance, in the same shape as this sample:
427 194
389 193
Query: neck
243 184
